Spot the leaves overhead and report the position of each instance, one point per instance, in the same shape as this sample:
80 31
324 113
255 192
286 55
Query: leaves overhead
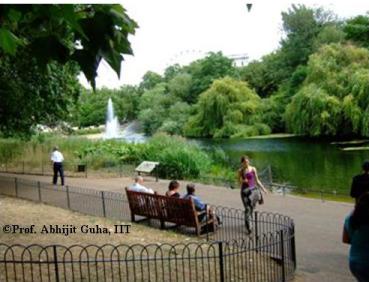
82 33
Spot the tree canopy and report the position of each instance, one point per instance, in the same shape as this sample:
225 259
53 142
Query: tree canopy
335 96
228 108
63 33
43 48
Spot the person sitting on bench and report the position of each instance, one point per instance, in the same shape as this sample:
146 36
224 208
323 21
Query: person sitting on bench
173 189
200 206
139 187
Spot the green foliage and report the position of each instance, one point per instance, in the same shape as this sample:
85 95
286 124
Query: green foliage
179 159
205 71
154 105
150 80
171 71
31 96
178 115
228 109
313 112
335 96
266 75
10 149
63 33
330 33
357 30
302 26
180 86
90 110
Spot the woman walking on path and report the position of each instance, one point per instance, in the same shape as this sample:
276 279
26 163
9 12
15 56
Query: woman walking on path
250 193
356 233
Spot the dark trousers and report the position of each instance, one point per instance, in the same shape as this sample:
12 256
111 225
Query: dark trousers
58 168
249 199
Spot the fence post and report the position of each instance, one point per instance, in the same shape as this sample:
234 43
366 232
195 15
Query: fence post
293 246
221 261
284 190
68 199
207 224
256 224
23 167
39 191
282 255
103 203
56 264
42 166
16 186
86 171
256 229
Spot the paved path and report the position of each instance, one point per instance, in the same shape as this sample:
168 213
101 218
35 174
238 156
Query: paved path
320 254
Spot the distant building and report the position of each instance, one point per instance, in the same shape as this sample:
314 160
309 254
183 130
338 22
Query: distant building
239 60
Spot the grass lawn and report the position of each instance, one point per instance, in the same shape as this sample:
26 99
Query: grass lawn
24 213
139 259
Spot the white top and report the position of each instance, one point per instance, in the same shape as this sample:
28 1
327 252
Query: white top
140 188
57 157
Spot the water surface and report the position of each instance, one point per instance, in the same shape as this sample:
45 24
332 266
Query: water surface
306 163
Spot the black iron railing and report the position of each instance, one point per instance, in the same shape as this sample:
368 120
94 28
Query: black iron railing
229 254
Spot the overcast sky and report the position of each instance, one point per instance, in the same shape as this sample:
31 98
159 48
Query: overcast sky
178 31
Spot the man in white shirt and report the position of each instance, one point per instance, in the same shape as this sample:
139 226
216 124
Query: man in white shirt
57 159
138 186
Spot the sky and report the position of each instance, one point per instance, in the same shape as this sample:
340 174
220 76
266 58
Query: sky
179 31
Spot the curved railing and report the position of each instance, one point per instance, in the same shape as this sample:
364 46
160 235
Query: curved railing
229 254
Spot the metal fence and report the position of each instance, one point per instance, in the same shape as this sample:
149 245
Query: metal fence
71 169
229 254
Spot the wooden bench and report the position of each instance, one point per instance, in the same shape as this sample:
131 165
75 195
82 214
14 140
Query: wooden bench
168 209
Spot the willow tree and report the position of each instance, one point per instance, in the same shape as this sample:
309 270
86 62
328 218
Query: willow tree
229 108
335 97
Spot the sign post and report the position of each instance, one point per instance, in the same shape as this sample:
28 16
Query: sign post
147 167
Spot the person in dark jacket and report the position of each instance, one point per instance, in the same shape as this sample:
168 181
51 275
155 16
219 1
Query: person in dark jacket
356 233
360 183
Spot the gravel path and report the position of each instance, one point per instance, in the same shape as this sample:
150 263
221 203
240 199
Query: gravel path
320 254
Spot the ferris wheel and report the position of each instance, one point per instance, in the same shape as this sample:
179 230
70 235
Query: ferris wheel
185 57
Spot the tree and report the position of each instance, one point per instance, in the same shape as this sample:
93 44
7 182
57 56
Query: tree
42 50
180 86
266 75
335 96
63 33
177 117
205 71
301 26
357 30
154 105
150 80
229 108
29 96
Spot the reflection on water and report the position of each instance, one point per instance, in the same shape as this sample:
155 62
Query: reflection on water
302 162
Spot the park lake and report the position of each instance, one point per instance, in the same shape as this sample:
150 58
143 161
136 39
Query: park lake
303 162
307 163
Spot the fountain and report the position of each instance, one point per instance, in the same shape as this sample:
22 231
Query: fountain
112 124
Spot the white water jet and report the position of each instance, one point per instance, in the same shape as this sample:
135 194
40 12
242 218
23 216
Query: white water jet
112 124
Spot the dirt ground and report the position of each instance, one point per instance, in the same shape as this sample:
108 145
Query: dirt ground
88 228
